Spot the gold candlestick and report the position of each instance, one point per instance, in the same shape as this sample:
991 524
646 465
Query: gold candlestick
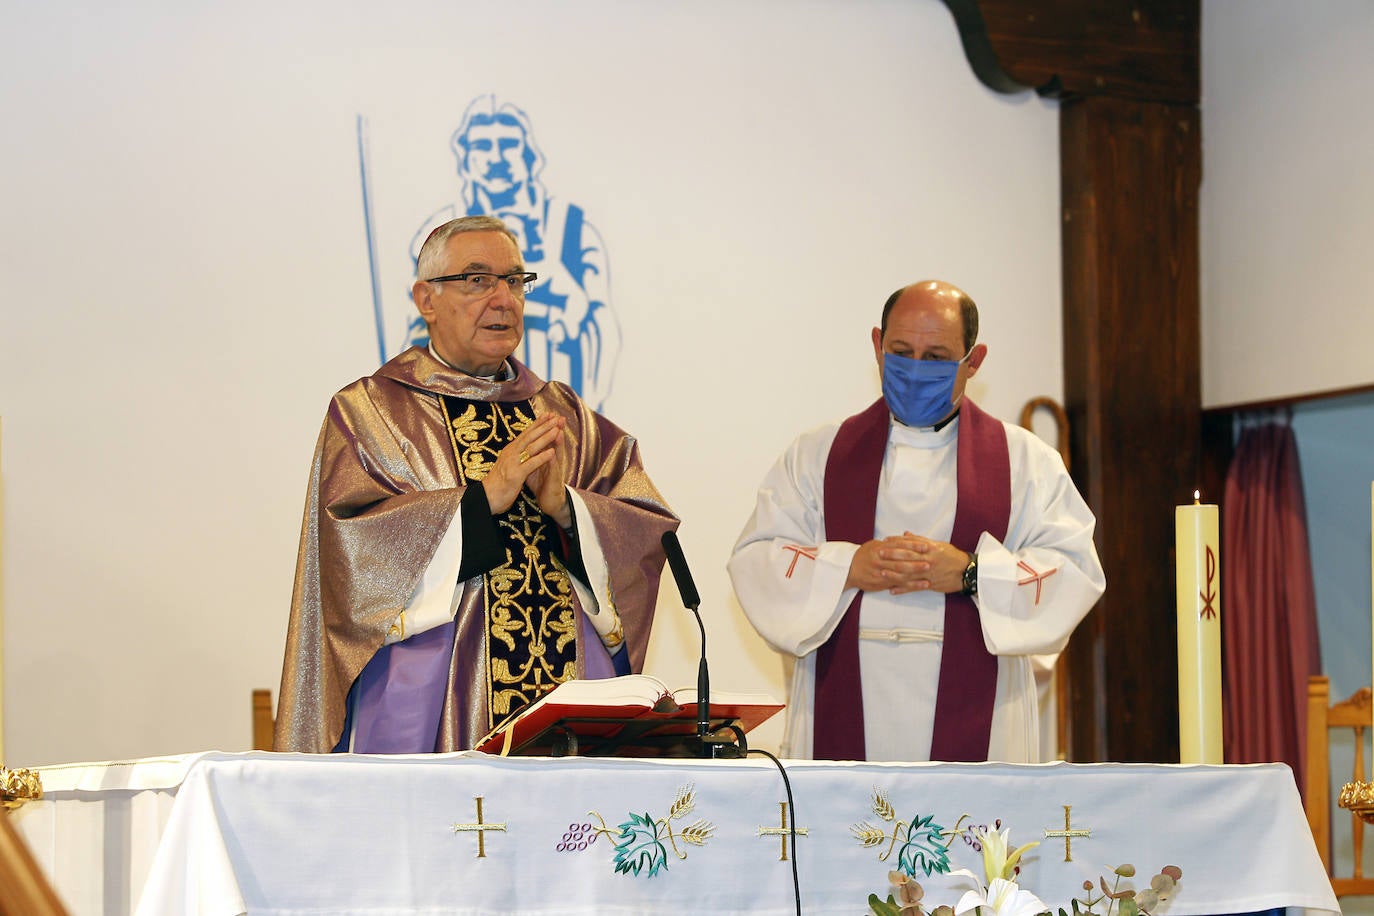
19 786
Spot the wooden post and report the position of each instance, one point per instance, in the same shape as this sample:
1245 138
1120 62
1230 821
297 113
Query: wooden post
1127 77
1132 373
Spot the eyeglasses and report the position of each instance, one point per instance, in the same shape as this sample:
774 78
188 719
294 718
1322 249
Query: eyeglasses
481 283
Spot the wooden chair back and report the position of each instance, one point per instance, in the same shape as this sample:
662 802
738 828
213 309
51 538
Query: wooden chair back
1353 713
1063 727
263 720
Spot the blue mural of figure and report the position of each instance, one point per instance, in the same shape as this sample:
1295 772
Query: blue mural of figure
571 334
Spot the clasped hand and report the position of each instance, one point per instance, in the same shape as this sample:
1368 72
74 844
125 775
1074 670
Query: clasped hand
528 460
907 563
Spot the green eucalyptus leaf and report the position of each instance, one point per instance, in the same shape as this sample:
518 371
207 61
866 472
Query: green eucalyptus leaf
880 908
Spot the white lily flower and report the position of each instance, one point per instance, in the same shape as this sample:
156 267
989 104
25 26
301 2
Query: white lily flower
997 863
1003 898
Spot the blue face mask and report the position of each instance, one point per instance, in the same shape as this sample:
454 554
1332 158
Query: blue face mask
919 392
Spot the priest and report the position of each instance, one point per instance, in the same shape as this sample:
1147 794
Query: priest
473 535
913 558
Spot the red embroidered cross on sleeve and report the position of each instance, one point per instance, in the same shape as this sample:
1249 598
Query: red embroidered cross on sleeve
1034 577
797 553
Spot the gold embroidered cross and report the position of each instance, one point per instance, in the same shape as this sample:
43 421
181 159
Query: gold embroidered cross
480 829
1068 833
782 831
524 513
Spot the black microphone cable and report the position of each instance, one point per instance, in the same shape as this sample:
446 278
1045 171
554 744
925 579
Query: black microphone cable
691 599
791 823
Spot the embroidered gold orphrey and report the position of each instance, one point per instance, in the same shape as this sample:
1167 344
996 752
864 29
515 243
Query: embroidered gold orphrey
530 618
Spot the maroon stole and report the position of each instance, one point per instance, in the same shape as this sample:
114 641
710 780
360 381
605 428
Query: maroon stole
968 672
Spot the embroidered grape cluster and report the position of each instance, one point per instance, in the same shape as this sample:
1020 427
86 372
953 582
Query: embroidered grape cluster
578 838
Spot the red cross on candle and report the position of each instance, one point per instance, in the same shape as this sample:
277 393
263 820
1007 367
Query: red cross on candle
1211 594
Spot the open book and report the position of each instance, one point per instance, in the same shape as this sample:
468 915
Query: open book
634 715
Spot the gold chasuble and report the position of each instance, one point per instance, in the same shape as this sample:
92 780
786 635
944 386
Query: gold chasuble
530 628
392 483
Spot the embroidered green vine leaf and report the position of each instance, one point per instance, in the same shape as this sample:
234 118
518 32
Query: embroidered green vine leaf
637 847
923 848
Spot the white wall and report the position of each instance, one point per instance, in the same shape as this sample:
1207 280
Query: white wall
184 282
1287 205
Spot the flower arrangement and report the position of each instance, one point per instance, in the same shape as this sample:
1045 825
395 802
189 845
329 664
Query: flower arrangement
1002 896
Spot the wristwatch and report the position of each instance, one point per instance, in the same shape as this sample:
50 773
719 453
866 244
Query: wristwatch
970 577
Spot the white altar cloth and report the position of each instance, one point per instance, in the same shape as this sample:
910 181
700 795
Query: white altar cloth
97 828
288 833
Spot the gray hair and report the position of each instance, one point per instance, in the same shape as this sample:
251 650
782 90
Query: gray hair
431 260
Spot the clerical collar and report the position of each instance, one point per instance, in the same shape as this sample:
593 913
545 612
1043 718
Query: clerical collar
938 426
949 419
503 374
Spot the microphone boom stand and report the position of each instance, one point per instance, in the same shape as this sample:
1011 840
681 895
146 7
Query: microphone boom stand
677 562
703 694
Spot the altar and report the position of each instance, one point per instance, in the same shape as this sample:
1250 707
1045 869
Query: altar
218 833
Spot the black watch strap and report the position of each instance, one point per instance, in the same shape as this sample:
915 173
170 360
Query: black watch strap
970 577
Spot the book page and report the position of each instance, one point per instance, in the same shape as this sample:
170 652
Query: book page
626 690
688 696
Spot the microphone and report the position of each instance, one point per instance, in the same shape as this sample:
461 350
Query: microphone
691 600
681 574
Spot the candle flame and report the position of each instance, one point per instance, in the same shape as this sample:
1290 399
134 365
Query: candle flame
1197 496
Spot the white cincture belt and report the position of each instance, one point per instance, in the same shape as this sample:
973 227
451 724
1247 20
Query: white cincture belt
901 635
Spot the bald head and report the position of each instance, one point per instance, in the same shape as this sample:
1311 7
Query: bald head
940 296
933 322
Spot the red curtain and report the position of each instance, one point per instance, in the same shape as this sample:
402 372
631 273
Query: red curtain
1269 609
